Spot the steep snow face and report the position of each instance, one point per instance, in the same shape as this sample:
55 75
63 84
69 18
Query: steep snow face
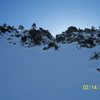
34 74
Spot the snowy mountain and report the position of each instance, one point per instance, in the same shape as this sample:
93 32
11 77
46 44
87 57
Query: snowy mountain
27 72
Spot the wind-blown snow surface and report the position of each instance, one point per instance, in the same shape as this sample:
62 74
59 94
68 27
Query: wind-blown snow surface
34 74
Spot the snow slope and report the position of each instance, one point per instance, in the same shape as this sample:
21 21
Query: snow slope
34 74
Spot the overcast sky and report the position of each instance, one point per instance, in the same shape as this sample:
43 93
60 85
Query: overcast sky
54 15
